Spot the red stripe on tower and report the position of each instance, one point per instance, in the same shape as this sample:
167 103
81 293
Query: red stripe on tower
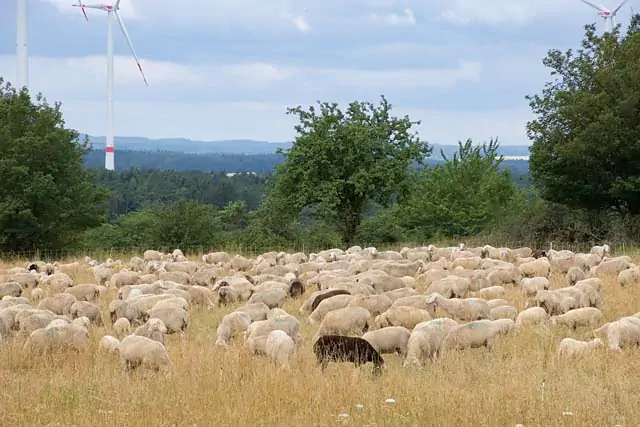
109 150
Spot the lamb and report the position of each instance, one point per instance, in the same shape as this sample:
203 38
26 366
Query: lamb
479 333
88 310
108 343
376 304
426 340
328 305
232 324
153 329
503 312
531 285
492 292
575 274
138 351
337 348
570 347
461 309
405 316
122 327
531 316
280 348
344 321
272 297
392 339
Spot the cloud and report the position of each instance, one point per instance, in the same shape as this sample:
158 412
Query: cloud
301 24
407 18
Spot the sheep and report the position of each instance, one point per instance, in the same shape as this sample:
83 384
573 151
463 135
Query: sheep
570 347
426 339
503 312
629 277
231 324
531 316
13 289
330 293
451 287
538 268
37 295
122 327
491 292
344 321
84 292
493 303
611 267
276 312
108 344
328 305
296 288
176 319
272 297
593 282
58 303
124 278
119 308
396 294
62 337
461 309
479 333
405 316
139 351
256 311
555 303
416 301
376 304
392 339
287 323
88 310
31 319
337 348
503 276
280 348
623 332
531 285
505 326
153 329
575 274
228 295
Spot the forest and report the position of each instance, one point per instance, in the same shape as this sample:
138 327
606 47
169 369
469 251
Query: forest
355 174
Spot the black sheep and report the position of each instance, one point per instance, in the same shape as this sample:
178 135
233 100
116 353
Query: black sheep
338 348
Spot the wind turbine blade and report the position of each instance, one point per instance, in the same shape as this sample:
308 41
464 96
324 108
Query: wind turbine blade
619 6
84 11
116 5
594 5
133 52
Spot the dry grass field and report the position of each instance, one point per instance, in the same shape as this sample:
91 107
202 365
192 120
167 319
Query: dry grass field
521 381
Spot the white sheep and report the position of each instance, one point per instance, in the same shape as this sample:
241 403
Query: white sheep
273 298
623 332
257 311
491 292
288 323
587 316
629 277
62 337
405 316
541 267
451 286
376 304
345 321
232 324
503 312
138 351
570 347
37 295
531 316
176 319
531 285
479 333
392 339
575 274
505 326
461 309
280 348
326 306
122 327
426 340
593 282
153 329
108 344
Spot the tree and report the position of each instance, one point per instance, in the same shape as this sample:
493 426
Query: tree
461 197
46 197
339 161
586 137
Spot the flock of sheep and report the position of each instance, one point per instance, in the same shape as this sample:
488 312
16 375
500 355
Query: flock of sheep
419 303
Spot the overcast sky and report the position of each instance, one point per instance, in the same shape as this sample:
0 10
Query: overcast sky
228 69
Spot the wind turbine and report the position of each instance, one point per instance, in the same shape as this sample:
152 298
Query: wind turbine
608 15
22 45
112 10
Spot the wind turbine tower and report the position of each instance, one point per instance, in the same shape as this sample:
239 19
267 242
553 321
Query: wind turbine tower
22 45
112 11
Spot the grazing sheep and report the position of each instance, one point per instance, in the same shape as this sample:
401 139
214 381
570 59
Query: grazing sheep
624 332
575 274
37 295
503 312
376 304
492 292
232 324
58 304
122 327
461 309
288 323
504 276
84 292
505 326
136 351
88 310
153 329
257 311
13 289
531 316
479 333
128 310
392 339
588 316
493 303
451 287
337 348
396 294
280 348
272 297
541 267
531 285
629 277
405 316
593 282
554 302
228 295
57 338
176 319
329 304
108 343
426 340
344 321
330 293
570 347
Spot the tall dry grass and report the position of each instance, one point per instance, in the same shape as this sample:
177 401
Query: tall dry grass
521 381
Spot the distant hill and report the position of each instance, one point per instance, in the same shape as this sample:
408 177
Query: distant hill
243 146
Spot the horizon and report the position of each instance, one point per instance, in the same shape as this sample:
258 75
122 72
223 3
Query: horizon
228 71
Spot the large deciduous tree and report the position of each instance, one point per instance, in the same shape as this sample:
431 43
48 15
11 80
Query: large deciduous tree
340 160
461 197
586 137
46 196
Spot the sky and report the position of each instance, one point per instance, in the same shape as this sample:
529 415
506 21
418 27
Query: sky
229 69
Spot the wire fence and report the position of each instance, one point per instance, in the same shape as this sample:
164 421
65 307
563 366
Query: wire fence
78 254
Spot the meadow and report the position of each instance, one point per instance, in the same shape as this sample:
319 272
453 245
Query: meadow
520 382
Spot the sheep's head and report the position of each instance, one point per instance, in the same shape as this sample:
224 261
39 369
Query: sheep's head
596 343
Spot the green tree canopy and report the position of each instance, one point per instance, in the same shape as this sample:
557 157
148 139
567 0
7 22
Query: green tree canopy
46 197
461 197
340 160
586 137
